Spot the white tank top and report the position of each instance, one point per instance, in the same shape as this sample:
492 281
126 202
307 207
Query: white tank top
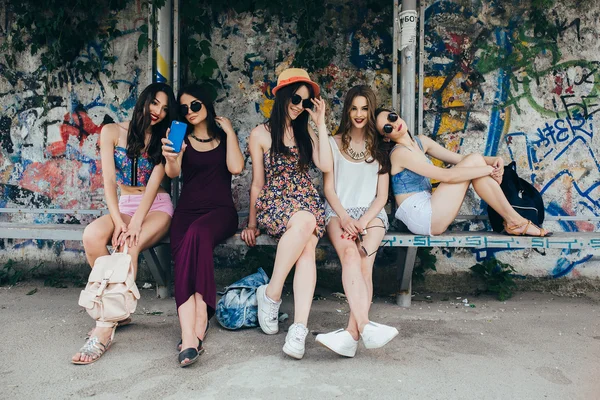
355 182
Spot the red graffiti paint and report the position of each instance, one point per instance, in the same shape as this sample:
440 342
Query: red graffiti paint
80 125
48 178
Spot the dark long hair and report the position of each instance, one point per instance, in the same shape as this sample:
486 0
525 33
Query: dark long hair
140 121
276 125
382 109
374 141
214 131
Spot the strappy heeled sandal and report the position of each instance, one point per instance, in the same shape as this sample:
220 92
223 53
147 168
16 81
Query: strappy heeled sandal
205 334
94 349
192 354
521 230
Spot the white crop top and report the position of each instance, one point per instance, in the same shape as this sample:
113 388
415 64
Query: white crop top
355 183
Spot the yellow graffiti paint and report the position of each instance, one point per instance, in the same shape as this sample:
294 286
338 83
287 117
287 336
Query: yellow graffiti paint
450 124
162 66
433 82
267 107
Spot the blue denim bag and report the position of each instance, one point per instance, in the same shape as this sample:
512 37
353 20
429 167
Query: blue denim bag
237 308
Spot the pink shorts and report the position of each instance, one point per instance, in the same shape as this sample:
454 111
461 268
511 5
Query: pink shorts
128 204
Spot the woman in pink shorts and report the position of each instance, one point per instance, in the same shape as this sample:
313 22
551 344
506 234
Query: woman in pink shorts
131 161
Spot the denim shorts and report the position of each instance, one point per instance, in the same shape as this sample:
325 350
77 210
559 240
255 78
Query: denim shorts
415 213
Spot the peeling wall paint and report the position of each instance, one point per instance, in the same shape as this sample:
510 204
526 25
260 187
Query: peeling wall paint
492 86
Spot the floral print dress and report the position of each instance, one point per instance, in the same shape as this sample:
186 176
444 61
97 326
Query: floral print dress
287 191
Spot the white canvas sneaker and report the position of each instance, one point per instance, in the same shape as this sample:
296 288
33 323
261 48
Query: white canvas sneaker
376 335
268 311
340 342
294 341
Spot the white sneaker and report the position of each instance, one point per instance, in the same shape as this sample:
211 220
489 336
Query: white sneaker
268 311
376 335
340 342
294 341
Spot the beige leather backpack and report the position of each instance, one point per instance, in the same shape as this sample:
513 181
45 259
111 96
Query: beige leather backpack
111 294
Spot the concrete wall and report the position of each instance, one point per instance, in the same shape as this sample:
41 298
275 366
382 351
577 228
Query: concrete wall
492 87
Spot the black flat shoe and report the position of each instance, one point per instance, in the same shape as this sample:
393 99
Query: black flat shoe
205 333
191 354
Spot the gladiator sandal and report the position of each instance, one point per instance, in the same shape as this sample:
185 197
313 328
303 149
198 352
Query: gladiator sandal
93 348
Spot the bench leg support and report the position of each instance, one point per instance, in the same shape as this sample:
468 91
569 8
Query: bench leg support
158 267
406 263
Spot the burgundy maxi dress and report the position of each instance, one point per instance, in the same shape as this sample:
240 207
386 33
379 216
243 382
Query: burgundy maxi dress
205 216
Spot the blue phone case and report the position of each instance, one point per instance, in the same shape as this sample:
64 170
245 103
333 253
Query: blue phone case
177 134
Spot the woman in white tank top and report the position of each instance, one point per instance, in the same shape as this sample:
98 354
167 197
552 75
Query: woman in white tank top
356 192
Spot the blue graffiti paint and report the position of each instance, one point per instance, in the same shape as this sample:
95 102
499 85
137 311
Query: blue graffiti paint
496 123
564 267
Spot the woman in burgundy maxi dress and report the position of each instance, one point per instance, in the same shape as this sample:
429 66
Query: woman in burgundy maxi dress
204 217
205 214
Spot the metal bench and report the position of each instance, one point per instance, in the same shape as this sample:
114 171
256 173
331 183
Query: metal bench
405 263
160 269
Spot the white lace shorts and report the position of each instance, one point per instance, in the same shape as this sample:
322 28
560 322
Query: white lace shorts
356 213
415 212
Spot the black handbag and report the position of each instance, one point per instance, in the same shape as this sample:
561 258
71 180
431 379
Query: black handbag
525 199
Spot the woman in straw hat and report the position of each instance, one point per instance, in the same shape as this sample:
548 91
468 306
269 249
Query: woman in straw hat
286 204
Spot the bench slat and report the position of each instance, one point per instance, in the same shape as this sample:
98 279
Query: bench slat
560 240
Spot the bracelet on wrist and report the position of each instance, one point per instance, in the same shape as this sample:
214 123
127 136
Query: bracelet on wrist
251 226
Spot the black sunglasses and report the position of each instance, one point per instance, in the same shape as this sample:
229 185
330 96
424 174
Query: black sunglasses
387 128
195 106
306 103
360 239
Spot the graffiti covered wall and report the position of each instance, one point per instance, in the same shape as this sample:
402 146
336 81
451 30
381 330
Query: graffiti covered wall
504 80
50 128
499 80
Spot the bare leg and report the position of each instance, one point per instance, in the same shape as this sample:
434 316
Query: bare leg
352 278
187 321
305 280
155 226
97 236
201 316
299 231
448 197
371 243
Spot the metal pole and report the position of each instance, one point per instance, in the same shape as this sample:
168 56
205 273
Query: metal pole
396 23
151 27
407 73
176 82
164 74
163 51
176 52
422 6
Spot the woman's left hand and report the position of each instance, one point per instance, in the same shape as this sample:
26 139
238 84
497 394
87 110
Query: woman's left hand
132 236
498 165
318 114
225 125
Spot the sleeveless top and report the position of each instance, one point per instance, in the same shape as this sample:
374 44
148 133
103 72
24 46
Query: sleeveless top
134 172
206 180
355 183
407 181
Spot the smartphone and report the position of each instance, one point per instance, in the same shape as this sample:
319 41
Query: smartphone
177 134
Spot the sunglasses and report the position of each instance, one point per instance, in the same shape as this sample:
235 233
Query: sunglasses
306 103
360 239
195 106
387 128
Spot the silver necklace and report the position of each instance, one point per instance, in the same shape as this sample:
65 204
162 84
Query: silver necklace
356 155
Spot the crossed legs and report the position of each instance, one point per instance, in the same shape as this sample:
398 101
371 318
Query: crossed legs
357 271
448 197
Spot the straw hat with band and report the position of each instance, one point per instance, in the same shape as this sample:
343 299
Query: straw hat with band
293 75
